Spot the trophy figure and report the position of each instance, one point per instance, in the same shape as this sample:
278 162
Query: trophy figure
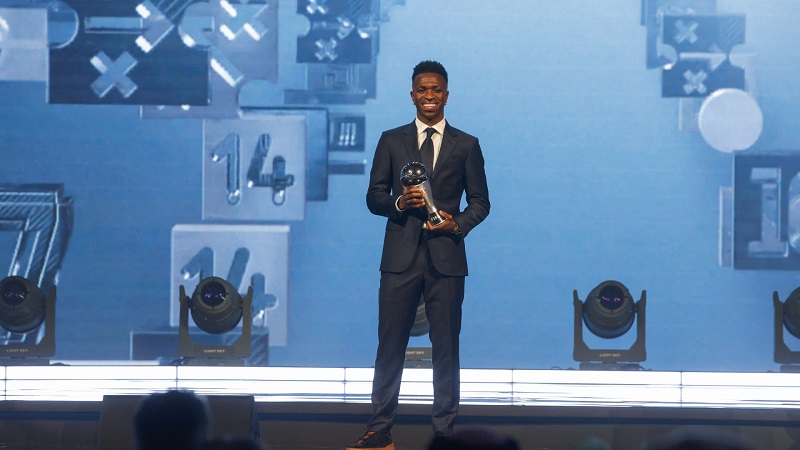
415 174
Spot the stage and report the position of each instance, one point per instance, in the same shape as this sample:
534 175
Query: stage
62 406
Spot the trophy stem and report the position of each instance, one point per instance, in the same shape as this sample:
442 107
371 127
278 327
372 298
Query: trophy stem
435 218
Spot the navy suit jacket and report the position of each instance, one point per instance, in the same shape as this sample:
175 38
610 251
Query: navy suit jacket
459 170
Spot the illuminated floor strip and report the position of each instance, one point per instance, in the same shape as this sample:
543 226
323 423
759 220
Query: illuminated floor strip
478 386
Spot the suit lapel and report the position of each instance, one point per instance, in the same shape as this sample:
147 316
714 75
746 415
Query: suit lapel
410 142
448 145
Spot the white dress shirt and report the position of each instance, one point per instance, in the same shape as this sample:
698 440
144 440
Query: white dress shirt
436 138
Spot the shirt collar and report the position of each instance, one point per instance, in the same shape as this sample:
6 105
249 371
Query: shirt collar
421 127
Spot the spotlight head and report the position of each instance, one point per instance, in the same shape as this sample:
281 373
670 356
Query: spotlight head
216 306
13 292
787 316
609 310
22 305
791 313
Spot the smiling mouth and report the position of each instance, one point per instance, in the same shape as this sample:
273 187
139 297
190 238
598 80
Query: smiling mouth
429 105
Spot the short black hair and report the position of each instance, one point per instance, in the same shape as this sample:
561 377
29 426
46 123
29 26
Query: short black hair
172 420
429 67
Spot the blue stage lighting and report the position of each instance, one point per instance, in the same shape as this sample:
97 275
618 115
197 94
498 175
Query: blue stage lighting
609 312
216 306
22 305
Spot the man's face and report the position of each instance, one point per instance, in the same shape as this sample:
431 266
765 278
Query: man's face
429 94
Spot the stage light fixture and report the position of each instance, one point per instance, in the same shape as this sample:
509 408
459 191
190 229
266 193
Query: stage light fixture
609 312
787 315
216 308
23 309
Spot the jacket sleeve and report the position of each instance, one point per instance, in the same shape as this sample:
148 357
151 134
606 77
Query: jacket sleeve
380 196
476 191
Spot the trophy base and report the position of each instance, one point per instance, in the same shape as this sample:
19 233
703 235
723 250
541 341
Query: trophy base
435 218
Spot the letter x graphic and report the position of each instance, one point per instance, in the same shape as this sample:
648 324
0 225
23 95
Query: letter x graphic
684 32
113 74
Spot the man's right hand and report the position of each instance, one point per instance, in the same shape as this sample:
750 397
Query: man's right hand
412 198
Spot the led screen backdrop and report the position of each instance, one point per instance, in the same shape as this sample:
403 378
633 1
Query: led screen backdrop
145 145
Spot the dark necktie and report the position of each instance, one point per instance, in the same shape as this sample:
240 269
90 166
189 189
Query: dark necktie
426 151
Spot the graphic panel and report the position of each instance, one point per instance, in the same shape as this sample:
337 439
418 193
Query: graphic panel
254 168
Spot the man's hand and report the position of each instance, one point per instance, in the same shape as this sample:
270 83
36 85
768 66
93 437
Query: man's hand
412 198
449 225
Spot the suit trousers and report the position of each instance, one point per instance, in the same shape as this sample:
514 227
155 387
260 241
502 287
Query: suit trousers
398 298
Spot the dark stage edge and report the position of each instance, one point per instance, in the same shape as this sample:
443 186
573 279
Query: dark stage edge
34 425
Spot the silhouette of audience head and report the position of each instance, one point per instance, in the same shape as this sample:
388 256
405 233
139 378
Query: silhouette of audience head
474 438
172 420
701 438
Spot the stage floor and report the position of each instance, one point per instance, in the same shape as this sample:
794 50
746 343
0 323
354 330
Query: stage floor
62 406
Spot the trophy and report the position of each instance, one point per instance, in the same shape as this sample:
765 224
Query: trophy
415 174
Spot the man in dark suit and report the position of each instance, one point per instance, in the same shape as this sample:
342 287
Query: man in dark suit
420 258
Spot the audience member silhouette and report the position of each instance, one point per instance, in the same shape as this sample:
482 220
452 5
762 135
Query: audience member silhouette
172 420
474 438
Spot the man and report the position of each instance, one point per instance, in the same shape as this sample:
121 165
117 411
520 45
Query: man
419 258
